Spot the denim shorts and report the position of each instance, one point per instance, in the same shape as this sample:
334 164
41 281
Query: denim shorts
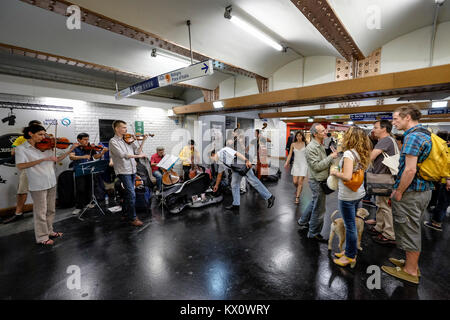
407 214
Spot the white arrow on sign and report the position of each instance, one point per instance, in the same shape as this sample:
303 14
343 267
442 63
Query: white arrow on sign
204 68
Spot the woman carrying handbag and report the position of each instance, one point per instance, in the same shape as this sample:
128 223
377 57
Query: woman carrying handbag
356 159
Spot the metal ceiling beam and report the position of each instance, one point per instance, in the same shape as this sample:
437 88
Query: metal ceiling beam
78 63
101 21
325 20
426 80
423 118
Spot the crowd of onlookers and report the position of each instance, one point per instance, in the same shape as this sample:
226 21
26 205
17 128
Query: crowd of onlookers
396 165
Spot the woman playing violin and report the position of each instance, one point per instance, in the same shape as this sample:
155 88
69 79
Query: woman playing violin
40 170
83 153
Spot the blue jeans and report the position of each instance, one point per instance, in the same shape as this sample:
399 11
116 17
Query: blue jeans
254 182
158 176
348 212
129 202
315 211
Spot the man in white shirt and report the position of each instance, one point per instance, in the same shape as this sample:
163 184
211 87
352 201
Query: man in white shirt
225 158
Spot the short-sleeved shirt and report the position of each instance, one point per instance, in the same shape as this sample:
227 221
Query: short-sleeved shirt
41 176
226 156
79 151
386 145
156 158
20 140
418 144
345 193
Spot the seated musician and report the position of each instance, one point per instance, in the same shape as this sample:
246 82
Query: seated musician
156 171
187 154
80 155
123 154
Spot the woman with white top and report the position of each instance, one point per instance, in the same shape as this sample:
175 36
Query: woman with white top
300 167
40 170
357 148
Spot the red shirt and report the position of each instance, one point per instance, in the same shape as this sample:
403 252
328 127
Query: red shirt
155 159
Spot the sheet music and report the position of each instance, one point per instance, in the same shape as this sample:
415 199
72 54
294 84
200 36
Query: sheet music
168 161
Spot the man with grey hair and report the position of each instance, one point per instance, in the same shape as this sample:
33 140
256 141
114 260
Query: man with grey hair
156 172
319 165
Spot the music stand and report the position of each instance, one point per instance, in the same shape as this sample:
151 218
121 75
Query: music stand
91 167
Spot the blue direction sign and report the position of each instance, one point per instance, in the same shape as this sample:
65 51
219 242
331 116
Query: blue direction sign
438 111
197 70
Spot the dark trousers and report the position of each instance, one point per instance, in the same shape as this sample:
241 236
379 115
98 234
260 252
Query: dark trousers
186 172
83 191
129 203
442 203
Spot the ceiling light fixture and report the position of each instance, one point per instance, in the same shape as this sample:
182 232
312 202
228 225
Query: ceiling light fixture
159 53
439 104
251 29
310 119
218 104
11 118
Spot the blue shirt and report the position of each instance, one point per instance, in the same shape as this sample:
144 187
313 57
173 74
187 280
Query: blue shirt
418 144
79 151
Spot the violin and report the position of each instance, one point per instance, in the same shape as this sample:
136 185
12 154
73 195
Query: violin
130 138
91 147
49 143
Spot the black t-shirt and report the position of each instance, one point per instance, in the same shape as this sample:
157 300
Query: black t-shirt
386 145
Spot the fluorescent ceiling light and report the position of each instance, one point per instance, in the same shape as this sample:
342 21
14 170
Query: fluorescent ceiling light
218 104
170 113
173 56
439 104
255 32
310 119
350 122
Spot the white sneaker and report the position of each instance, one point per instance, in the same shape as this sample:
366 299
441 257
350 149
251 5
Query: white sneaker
90 206
76 211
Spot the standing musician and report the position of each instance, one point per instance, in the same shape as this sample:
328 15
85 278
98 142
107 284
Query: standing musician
156 171
22 190
187 155
40 169
84 153
123 155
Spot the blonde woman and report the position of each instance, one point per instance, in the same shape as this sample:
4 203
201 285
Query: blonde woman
300 167
357 147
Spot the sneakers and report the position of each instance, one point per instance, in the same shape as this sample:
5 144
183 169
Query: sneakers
90 206
76 211
15 217
428 224
270 201
136 222
303 226
319 238
401 263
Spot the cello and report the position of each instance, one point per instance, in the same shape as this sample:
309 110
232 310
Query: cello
170 177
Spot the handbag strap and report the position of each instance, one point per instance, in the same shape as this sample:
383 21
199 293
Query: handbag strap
357 165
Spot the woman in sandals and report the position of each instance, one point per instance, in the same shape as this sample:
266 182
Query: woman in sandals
300 167
40 169
357 148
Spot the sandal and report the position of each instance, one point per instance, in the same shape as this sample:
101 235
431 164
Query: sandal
47 242
297 200
56 235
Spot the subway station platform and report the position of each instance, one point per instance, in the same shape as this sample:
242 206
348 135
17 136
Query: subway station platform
209 254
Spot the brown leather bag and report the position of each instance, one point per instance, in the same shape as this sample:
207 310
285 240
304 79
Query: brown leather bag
357 177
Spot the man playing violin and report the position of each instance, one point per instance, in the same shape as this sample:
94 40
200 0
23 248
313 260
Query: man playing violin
83 153
156 171
123 154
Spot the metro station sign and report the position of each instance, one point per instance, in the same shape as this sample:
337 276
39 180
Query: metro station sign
204 68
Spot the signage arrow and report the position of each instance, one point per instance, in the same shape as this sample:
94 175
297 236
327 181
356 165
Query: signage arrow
205 67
